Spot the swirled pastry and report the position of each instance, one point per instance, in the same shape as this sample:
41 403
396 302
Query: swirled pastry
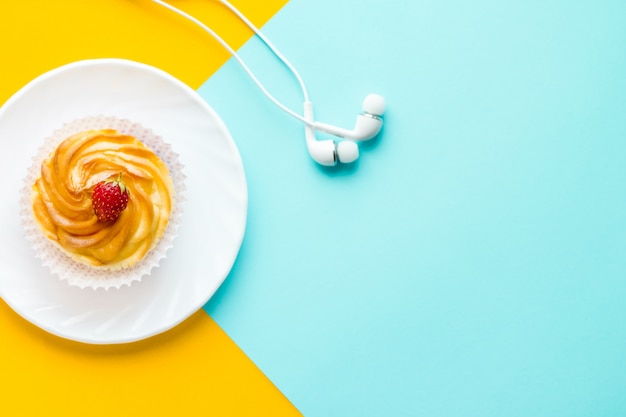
62 198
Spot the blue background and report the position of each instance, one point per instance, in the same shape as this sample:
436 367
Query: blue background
472 262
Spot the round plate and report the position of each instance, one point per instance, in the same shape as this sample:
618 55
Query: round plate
211 229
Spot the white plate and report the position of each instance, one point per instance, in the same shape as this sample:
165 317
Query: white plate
211 229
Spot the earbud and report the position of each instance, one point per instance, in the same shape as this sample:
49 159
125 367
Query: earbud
347 151
367 125
327 152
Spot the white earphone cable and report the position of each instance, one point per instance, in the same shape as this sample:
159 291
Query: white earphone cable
269 44
241 62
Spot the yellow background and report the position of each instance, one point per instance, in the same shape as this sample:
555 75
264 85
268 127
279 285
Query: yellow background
194 368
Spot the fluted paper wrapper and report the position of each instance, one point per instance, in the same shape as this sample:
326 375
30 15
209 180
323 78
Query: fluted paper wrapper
52 256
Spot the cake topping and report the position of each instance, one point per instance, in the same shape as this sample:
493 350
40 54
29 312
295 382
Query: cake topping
109 199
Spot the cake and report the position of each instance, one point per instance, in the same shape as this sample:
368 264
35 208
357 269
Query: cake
64 197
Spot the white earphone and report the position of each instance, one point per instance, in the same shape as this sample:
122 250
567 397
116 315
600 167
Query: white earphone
367 126
325 152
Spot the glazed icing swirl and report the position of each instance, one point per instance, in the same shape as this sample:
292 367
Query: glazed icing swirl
62 206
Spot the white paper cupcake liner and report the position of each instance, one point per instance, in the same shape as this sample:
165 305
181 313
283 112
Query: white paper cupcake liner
61 264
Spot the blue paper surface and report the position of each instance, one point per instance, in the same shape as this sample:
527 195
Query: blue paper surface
473 261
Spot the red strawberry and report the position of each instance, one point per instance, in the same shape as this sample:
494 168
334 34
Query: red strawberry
109 199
